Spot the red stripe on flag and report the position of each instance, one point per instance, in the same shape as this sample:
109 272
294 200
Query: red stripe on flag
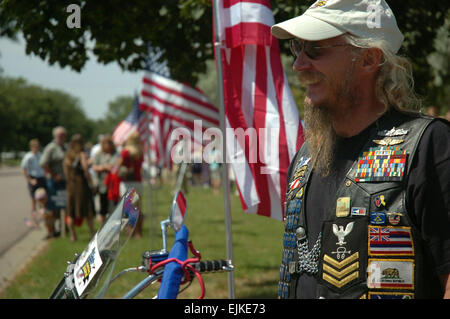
180 94
169 104
247 33
230 3
260 112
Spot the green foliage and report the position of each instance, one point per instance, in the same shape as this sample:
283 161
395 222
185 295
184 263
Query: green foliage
439 60
29 111
118 109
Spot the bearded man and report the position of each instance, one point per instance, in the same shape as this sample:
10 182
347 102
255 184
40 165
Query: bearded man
368 200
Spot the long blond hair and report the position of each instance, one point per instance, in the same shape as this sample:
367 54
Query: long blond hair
76 146
395 83
133 145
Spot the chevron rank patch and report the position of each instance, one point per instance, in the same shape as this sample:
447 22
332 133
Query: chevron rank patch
344 253
381 164
391 274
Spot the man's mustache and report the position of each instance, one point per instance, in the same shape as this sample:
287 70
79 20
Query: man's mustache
308 77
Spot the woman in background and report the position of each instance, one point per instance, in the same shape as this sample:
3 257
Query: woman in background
80 201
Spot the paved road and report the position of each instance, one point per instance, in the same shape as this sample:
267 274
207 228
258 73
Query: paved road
15 206
18 243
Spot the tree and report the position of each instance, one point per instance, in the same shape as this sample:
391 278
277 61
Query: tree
181 28
118 110
440 63
29 111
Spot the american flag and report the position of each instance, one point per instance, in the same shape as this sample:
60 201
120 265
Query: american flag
134 121
173 105
257 96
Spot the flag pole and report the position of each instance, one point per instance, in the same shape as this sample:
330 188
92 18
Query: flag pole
225 178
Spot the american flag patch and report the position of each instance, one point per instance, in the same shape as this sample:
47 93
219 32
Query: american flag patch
358 211
390 241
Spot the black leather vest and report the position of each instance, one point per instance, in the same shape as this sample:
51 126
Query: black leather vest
369 246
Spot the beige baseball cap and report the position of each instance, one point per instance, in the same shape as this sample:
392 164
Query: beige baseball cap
330 18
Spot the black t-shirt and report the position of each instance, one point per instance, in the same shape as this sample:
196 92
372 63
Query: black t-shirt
427 196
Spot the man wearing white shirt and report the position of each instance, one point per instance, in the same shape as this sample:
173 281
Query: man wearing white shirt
33 172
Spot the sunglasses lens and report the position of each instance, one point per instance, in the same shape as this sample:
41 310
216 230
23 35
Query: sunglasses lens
310 50
297 47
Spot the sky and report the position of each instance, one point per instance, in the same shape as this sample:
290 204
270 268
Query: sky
95 86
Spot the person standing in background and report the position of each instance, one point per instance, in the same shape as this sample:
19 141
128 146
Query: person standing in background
103 162
34 174
80 202
129 167
52 162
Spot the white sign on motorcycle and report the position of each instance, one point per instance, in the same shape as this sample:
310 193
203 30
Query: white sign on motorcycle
87 266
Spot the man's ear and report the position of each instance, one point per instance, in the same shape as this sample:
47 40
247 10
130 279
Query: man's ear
371 59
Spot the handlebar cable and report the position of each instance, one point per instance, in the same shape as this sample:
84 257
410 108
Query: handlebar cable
184 265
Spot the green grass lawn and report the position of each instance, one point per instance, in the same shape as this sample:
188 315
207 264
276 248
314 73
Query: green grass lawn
256 248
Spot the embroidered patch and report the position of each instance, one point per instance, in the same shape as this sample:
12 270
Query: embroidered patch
344 252
293 188
358 211
299 193
300 168
390 273
394 218
390 241
379 201
343 206
377 218
294 184
381 164
347 270
302 162
390 295
300 172
297 177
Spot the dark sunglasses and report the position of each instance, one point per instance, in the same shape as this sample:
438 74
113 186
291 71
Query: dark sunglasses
311 50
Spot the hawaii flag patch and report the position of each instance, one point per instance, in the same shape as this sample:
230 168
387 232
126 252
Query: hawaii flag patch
389 241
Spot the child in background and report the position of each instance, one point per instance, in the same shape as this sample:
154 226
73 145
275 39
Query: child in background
42 211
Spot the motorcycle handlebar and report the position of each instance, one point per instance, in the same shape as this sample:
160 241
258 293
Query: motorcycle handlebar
211 265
